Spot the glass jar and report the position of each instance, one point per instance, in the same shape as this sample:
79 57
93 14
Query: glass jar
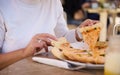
112 59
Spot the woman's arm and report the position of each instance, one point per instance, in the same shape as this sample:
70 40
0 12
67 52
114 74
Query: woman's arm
38 42
61 29
11 57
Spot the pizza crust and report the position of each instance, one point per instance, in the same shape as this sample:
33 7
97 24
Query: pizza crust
88 28
57 53
62 42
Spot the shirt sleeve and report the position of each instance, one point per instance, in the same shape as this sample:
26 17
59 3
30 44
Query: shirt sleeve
61 29
2 31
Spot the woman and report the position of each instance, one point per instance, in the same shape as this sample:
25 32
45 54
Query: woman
21 20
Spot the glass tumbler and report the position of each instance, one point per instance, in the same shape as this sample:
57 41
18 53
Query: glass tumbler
112 58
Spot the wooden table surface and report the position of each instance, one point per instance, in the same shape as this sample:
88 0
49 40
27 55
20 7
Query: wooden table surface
29 67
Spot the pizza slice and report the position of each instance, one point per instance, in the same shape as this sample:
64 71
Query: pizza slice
91 34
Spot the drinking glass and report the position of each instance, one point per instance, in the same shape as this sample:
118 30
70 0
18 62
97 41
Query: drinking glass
112 59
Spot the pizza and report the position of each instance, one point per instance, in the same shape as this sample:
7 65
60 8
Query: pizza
62 50
90 35
95 54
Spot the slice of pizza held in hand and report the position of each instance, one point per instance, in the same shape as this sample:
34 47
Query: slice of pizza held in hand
90 35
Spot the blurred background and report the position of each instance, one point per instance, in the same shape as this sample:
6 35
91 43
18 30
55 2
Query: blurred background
107 11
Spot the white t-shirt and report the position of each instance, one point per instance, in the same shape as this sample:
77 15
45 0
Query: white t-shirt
20 21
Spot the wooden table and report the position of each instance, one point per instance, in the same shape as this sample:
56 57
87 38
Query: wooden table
29 67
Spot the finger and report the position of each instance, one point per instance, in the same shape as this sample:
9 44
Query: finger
47 40
95 21
85 23
39 46
46 47
92 21
46 35
89 22
50 36
38 49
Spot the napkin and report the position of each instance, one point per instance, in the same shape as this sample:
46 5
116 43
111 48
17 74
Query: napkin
58 63
52 62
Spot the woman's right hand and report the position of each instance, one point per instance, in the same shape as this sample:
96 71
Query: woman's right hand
37 43
88 22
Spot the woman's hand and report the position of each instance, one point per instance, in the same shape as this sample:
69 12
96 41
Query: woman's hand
88 22
38 42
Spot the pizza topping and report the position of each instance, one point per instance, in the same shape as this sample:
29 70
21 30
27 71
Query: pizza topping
95 28
90 54
102 55
79 55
